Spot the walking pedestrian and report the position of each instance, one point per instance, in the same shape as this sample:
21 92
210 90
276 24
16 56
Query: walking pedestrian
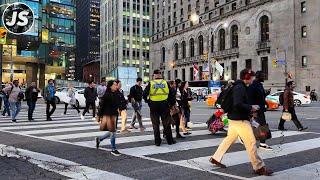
101 89
136 95
71 100
257 96
6 105
48 95
107 113
159 98
185 105
1 97
239 125
288 106
15 97
175 111
31 96
90 94
178 100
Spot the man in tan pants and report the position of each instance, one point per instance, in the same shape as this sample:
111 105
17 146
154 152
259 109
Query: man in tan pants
239 125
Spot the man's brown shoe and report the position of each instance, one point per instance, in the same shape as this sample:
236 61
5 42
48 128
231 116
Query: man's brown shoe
263 172
214 162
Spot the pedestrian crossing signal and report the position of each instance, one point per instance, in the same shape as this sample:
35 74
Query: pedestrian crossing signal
3 35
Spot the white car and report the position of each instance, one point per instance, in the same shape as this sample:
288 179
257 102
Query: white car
61 94
81 100
299 99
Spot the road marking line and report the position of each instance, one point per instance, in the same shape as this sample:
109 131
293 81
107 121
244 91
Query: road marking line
241 157
58 165
150 150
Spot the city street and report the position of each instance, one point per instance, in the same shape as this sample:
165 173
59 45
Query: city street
65 148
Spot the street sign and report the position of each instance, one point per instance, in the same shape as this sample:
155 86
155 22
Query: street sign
281 61
18 18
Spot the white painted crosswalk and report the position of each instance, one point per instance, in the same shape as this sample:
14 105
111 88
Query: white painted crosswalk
192 152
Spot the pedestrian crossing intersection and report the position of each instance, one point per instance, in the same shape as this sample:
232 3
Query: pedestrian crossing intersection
295 154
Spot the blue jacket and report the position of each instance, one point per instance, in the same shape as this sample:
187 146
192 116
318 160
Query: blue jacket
257 95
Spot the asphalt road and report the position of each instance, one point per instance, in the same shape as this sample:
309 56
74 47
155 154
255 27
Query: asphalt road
64 149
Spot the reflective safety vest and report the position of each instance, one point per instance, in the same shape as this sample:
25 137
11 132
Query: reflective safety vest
159 90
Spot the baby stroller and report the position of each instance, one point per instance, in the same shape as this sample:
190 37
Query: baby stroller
217 122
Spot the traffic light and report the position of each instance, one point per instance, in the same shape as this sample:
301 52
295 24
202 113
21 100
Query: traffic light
274 63
3 35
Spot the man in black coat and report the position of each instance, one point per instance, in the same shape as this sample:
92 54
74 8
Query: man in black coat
90 93
257 96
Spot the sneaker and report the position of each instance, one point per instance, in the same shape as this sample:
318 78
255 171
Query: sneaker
14 120
125 131
49 119
115 153
97 142
82 117
265 147
301 129
93 119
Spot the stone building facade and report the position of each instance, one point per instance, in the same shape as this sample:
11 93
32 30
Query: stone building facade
257 34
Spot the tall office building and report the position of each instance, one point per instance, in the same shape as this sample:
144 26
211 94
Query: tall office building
88 39
258 34
47 51
125 31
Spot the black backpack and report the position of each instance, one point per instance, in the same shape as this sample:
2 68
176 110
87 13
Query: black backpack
225 100
281 98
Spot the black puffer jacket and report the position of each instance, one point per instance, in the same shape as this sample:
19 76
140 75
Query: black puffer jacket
241 108
122 100
90 94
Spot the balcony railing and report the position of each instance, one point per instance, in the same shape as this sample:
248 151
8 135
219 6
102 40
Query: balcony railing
263 45
226 53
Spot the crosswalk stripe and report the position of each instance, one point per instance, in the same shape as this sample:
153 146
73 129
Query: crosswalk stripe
131 139
241 157
150 150
309 171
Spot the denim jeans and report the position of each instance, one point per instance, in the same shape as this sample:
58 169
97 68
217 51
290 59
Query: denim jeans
112 138
6 108
32 106
137 106
187 116
15 109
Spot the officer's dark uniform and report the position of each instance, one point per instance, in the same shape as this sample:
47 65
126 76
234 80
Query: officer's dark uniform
159 96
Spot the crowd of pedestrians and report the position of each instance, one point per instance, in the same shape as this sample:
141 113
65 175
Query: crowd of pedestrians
169 104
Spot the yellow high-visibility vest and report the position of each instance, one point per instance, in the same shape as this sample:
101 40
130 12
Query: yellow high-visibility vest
159 90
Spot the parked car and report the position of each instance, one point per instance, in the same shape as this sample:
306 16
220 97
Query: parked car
61 93
271 102
299 98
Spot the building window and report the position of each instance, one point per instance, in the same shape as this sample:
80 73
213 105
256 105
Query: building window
191 74
201 50
304 61
248 64
200 72
234 70
191 46
183 75
222 39
212 43
234 36
184 50
303 7
304 31
264 25
176 51
308 88
169 75
175 74
264 66
163 54
234 6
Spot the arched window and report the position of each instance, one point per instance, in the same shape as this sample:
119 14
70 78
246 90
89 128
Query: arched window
191 46
163 54
212 43
264 28
200 40
176 51
184 50
234 36
222 39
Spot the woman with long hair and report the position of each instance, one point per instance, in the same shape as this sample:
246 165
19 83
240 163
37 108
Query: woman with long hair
179 103
107 114
185 98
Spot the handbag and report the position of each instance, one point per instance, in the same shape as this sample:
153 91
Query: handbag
262 132
286 116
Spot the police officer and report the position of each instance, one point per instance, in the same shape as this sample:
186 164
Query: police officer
159 97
